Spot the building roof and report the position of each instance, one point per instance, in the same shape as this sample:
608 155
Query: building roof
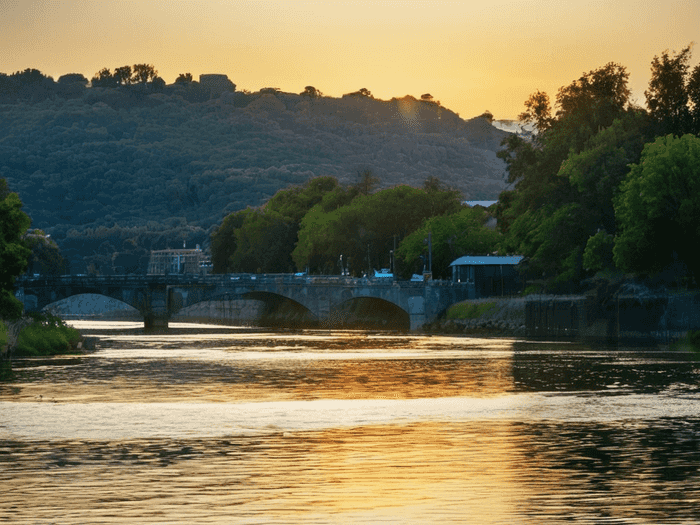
469 260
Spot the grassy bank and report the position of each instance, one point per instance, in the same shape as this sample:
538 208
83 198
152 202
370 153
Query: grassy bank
46 335
495 316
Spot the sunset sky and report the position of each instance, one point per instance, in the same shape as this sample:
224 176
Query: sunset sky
472 56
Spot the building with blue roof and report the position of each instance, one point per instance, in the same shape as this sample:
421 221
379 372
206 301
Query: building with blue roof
488 275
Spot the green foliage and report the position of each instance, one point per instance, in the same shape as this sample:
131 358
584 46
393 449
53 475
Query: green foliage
223 241
46 258
658 208
565 179
3 333
469 310
263 239
13 252
453 235
46 335
364 230
120 156
598 254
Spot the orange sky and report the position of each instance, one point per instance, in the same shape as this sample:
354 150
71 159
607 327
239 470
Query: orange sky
471 56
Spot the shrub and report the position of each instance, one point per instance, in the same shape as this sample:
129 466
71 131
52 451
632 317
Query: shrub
47 335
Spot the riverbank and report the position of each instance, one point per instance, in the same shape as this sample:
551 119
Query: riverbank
39 335
489 316
630 316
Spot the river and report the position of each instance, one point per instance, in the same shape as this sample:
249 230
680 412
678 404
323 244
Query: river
211 424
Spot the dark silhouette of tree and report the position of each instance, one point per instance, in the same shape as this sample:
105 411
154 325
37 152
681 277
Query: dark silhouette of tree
668 94
311 92
184 78
364 92
123 75
103 78
143 73
487 115
694 99
427 97
72 78
538 111
46 257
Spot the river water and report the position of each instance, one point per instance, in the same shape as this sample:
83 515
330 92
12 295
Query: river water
211 424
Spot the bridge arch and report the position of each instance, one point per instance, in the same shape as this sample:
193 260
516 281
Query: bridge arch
92 303
369 312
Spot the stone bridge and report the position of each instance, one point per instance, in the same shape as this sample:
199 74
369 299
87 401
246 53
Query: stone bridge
158 297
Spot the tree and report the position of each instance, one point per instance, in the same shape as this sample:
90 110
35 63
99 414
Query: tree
694 99
311 92
103 78
432 183
366 182
13 252
369 223
668 96
565 177
123 75
72 78
487 115
143 73
46 258
658 208
453 236
264 238
538 111
184 78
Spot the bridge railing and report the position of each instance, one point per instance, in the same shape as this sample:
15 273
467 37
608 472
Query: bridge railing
221 279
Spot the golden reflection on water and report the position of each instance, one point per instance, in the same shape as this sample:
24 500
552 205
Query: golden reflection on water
229 366
415 473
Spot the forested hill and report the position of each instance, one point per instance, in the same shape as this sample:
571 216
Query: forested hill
87 157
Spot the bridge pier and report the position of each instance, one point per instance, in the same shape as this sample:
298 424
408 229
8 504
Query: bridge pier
155 322
155 307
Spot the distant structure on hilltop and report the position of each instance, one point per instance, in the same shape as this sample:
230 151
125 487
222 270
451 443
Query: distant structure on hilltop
177 261
216 84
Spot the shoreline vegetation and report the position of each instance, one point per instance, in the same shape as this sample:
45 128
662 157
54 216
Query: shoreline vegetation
38 335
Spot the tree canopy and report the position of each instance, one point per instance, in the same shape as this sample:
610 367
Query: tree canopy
13 252
575 200
658 209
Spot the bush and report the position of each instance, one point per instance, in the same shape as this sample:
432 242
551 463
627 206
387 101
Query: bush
47 335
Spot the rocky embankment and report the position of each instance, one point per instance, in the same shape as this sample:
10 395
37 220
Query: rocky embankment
505 318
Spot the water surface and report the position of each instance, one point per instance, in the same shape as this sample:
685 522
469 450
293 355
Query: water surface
212 424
